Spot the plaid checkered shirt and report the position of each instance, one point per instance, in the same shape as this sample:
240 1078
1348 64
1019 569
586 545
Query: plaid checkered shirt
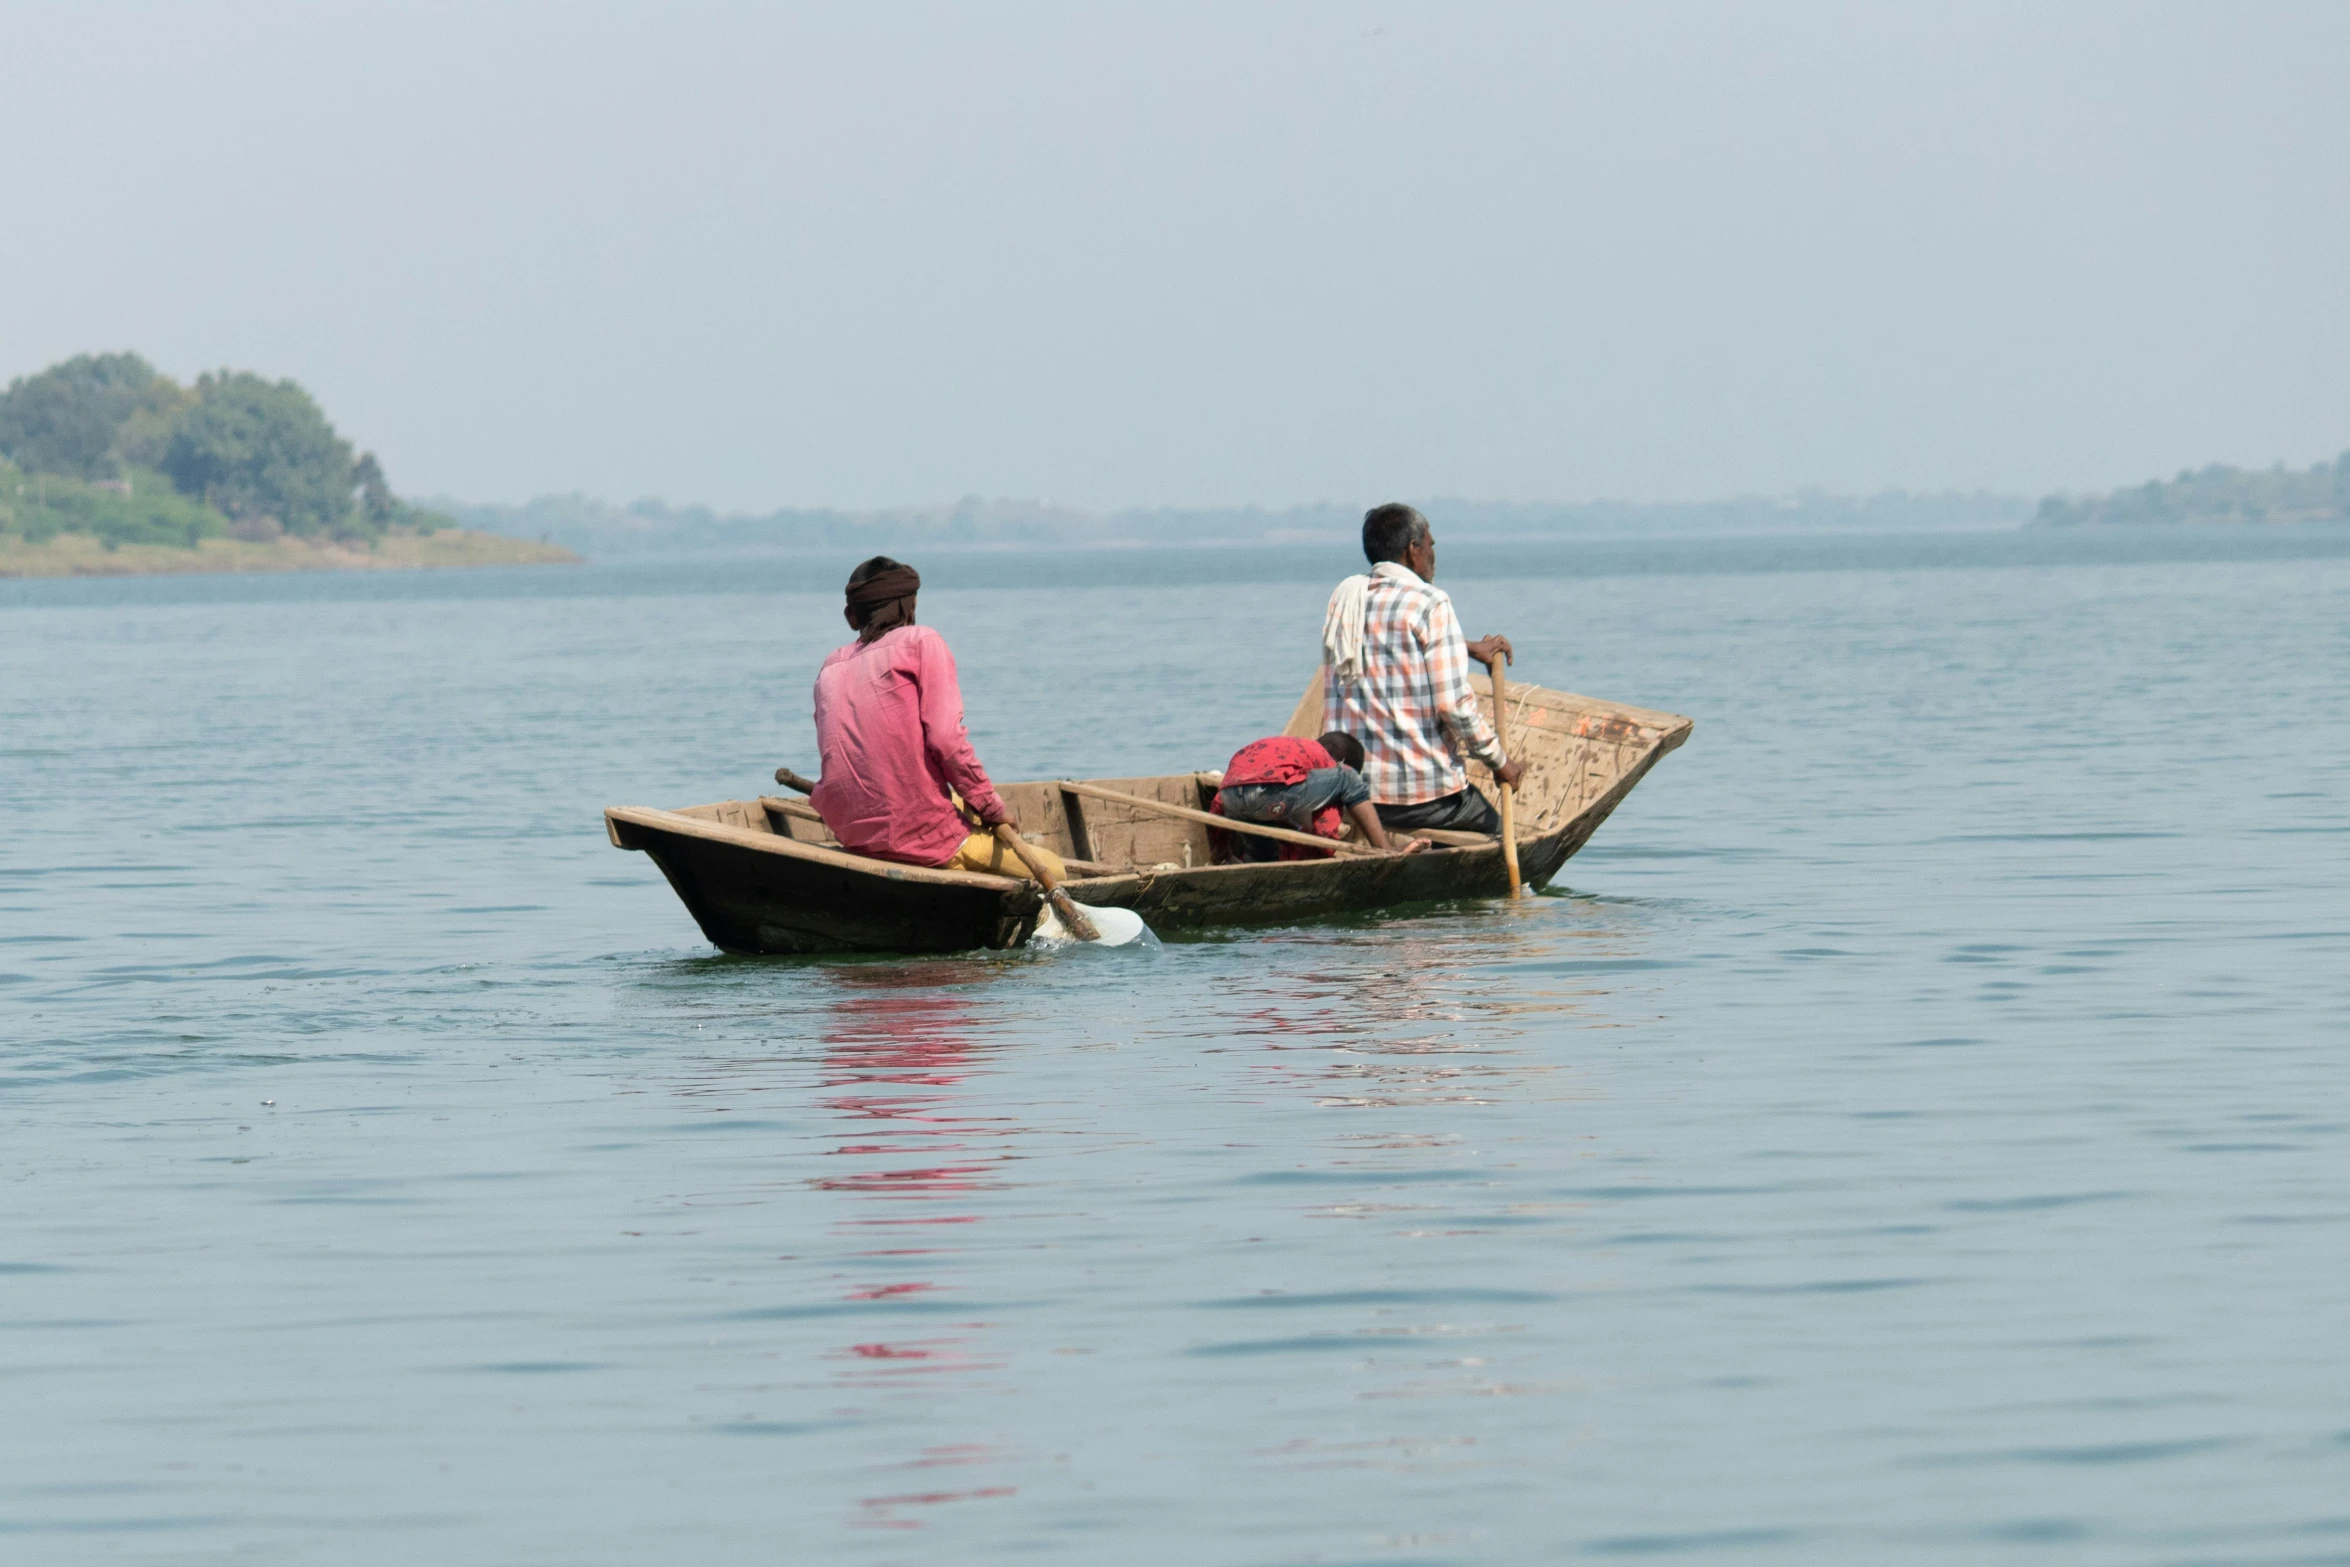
1413 709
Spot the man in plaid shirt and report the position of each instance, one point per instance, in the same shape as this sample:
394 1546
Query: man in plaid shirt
1395 674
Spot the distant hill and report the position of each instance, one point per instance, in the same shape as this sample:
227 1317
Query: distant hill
2215 494
103 447
650 527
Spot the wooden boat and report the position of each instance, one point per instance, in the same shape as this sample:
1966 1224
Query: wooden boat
764 876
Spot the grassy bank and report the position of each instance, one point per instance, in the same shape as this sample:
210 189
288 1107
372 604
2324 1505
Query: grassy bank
84 555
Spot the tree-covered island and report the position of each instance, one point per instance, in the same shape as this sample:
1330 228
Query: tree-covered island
2216 494
107 466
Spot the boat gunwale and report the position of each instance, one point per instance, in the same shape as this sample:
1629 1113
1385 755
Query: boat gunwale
656 819
1108 889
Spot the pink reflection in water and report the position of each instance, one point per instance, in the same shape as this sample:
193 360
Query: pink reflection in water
898 1045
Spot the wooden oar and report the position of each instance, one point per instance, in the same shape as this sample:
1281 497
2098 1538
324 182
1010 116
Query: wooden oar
791 780
1509 796
799 809
1066 906
1222 823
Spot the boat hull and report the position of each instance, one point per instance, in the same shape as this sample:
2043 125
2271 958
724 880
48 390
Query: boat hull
1286 891
747 901
755 889
765 877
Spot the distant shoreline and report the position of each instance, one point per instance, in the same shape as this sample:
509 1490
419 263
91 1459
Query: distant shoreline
649 528
82 555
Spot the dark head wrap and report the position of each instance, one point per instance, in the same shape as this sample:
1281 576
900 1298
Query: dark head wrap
884 601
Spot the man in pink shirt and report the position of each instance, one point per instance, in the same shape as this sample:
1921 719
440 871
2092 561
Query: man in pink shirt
889 733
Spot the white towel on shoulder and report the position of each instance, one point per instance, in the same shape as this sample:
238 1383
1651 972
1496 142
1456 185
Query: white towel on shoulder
1342 627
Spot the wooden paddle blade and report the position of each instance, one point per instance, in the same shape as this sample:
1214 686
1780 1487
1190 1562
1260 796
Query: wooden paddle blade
1074 917
1063 905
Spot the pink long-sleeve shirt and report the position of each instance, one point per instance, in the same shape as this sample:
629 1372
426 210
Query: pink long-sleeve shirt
889 733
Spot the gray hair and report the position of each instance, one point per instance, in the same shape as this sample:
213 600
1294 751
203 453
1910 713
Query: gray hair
1390 530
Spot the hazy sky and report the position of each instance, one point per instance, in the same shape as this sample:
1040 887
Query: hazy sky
1199 253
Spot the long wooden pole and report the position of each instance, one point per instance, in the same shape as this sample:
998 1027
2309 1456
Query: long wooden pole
1509 796
1071 915
1209 818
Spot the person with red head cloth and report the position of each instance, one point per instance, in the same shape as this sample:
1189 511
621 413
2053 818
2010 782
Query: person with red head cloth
1303 785
889 733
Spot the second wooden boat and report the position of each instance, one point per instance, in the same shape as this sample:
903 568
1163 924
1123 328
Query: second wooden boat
765 876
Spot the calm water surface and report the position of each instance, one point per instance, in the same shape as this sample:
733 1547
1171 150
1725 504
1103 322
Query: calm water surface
1917 1129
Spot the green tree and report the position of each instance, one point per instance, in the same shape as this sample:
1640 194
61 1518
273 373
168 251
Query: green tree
2217 494
376 501
89 418
256 448
145 510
